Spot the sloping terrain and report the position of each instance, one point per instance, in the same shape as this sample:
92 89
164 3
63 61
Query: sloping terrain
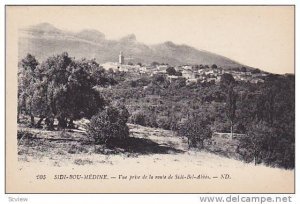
149 151
44 146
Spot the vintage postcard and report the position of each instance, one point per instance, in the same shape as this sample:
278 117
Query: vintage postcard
150 99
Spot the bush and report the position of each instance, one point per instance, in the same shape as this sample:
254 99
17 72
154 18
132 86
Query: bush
138 118
144 118
196 130
266 144
240 128
221 126
171 71
164 122
109 125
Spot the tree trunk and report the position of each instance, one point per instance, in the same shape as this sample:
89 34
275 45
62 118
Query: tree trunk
71 124
38 124
200 144
32 120
62 122
50 123
18 115
231 129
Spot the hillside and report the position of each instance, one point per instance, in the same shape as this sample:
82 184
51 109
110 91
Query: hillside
152 151
44 40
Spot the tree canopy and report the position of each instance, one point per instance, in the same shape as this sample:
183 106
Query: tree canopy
60 87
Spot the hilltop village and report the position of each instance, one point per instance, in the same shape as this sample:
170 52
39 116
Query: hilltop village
191 73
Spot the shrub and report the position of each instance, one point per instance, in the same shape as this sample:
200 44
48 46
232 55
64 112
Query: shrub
138 118
109 125
240 128
266 144
164 122
144 118
196 130
221 126
171 71
214 66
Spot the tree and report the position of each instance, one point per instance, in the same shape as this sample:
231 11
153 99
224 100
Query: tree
57 70
178 83
214 66
265 144
227 84
254 141
109 125
178 73
84 101
230 107
243 69
154 64
160 80
98 74
39 106
171 71
26 80
59 88
226 81
270 119
196 129
256 71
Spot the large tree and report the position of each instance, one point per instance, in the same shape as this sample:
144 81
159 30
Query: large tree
26 80
230 107
227 84
270 130
196 129
60 87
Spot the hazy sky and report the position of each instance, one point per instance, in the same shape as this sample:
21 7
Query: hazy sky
261 37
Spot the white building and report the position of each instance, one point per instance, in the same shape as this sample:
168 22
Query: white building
111 65
187 67
188 74
121 58
162 68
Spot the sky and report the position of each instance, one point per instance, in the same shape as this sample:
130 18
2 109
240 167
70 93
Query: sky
257 36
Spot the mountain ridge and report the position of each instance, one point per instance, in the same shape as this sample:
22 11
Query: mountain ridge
44 40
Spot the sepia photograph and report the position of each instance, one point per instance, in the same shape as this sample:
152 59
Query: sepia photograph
150 99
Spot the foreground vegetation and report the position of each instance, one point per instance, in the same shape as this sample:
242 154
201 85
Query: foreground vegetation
66 90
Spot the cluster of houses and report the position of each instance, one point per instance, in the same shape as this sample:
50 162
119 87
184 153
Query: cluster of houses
191 73
194 74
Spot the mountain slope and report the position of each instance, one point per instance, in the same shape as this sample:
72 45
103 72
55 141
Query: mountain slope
44 40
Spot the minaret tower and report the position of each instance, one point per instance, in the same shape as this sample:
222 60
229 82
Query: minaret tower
121 58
